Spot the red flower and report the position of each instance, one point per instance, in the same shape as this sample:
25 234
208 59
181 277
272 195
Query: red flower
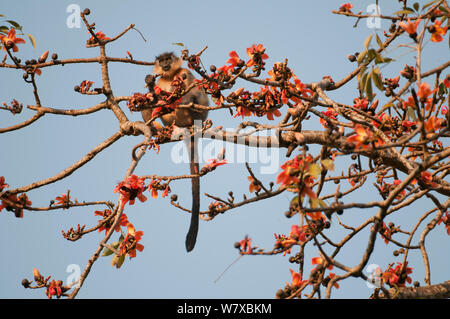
445 219
397 276
214 162
107 225
331 113
296 167
10 41
54 289
411 27
437 31
361 103
100 35
243 111
346 7
2 183
131 188
131 242
18 204
245 245
234 58
270 114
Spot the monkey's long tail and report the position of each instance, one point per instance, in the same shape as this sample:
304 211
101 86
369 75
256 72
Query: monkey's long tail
191 236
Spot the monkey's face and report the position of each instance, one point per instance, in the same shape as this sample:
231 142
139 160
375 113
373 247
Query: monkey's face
167 64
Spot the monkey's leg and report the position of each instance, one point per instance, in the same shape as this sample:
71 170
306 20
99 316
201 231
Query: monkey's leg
191 236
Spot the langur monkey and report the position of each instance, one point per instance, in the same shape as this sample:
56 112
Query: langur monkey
168 66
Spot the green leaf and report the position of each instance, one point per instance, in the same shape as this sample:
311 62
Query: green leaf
372 54
328 164
441 89
367 41
387 60
368 88
361 56
117 261
14 24
412 114
429 4
32 39
416 6
362 81
380 43
314 170
316 202
179 44
443 9
106 252
378 59
406 11
4 29
376 78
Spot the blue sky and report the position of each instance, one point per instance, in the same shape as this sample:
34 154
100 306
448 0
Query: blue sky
314 41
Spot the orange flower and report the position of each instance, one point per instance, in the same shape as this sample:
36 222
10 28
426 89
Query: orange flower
256 54
270 114
296 279
302 87
363 138
131 188
243 111
424 91
10 41
131 242
434 124
437 31
427 178
320 261
298 233
107 225
63 200
332 275
254 187
411 27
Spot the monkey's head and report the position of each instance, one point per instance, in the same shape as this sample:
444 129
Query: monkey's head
167 64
